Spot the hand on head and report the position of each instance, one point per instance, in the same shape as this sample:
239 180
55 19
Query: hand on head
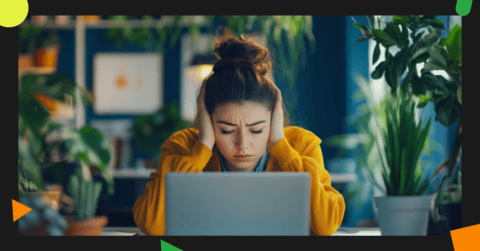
203 122
276 130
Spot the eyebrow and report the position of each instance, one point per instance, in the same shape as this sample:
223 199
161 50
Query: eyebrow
230 124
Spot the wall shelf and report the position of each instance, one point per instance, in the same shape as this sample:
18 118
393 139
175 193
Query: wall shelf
106 24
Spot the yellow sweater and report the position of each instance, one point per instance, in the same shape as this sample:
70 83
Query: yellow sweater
299 151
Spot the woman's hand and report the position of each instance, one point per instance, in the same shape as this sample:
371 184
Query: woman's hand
203 122
276 130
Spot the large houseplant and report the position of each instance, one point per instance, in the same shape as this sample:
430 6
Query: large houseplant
418 41
87 147
404 209
38 100
363 147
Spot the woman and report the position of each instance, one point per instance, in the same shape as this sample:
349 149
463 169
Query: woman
240 127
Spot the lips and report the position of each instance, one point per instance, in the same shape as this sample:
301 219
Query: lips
243 158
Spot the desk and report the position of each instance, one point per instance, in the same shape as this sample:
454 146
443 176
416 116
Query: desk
342 231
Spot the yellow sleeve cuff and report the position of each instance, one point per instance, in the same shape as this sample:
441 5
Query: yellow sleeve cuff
283 152
200 155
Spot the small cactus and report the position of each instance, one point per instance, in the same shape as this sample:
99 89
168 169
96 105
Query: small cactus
85 192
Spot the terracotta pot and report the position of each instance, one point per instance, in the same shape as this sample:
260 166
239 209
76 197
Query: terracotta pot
25 60
90 19
90 227
46 57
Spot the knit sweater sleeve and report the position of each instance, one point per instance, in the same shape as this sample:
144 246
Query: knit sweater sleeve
327 206
180 153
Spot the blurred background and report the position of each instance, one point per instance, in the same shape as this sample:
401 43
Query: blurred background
143 74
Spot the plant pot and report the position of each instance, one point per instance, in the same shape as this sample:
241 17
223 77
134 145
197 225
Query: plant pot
89 227
403 215
62 20
39 19
46 57
90 19
25 60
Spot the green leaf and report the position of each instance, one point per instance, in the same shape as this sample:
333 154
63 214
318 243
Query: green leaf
433 65
400 62
423 101
391 76
459 94
382 37
402 44
448 111
364 29
420 52
361 39
371 21
434 82
379 70
376 53
436 23
454 43
29 163
437 56
432 37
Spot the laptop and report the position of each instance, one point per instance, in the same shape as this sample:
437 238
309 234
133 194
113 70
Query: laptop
245 204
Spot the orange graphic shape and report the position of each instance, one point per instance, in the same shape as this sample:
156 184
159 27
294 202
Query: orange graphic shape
466 238
19 210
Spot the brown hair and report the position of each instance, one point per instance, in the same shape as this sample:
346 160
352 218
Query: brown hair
243 72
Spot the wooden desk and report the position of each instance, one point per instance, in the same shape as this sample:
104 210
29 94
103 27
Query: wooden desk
354 231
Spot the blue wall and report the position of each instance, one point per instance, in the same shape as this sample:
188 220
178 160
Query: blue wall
321 85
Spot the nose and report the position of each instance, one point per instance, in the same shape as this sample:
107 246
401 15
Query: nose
241 142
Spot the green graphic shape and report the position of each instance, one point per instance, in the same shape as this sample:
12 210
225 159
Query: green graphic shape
165 246
463 7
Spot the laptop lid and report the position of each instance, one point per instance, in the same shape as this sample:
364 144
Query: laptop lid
237 203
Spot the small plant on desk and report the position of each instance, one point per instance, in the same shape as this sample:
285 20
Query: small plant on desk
86 193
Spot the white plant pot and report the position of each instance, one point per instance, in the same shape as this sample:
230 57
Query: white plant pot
403 215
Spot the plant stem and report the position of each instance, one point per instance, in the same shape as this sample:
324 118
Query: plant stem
454 154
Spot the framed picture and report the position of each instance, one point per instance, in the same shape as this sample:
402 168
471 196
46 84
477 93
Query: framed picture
128 83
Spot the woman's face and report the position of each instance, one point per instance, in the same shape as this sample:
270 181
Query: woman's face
241 134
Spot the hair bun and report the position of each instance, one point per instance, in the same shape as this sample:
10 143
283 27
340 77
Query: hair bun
241 52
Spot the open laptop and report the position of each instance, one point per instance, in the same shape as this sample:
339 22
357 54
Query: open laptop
237 203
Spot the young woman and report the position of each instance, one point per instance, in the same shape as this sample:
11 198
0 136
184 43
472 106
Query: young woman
241 127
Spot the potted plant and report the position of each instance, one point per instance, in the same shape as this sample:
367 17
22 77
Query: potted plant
362 145
151 130
36 126
46 54
92 19
85 193
437 54
27 36
405 209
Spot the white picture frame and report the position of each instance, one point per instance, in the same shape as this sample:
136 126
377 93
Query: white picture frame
128 83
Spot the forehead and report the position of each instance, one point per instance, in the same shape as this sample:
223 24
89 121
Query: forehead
249 111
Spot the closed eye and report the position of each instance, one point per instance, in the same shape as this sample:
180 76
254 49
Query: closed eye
228 132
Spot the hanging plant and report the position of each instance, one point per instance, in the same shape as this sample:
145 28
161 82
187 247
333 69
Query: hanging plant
286 34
